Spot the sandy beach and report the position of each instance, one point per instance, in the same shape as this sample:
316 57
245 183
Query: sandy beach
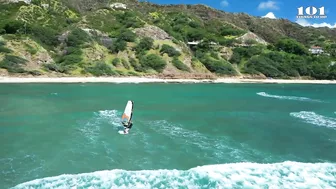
149 80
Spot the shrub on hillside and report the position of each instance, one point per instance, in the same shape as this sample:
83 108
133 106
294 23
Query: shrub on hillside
319 71
118 45
125 64
77 37
179 65
30 49
320 67
4 49
116 61
153 61
291 46
101 69
129 19
45 35
55 67
226 42
251 42
193 34
194 24
9 11
248 52
137 67
34 72
127 35
133 73
73 51
226 30
332 72
235 58
284 63
204 46
171 51
145 44
263 65
13 64
70 59
218 66
214 55
14 26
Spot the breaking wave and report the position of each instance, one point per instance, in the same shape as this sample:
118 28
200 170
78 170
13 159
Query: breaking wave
316 119
238 175
264 94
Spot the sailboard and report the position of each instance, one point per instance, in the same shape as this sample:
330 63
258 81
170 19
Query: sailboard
126 117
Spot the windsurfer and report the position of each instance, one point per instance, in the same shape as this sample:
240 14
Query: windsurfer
127 117
128 127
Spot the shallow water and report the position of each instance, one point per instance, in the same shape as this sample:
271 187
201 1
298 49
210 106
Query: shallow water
184 135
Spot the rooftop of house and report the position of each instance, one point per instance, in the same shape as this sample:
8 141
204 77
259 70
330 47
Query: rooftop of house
316 47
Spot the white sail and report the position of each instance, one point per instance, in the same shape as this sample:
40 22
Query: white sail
127 115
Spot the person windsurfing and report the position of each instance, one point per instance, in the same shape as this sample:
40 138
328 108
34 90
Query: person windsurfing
128 127
128 114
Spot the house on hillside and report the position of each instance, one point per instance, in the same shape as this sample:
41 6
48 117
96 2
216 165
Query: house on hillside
118 6
16 1
316 50
192 43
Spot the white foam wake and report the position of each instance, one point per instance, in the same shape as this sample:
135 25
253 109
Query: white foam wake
217 147
111 116
239 175
264 94
91 128
316 119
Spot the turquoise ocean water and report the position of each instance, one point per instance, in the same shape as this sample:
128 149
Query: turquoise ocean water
184 136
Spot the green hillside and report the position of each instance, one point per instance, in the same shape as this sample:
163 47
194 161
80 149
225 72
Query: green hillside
128 37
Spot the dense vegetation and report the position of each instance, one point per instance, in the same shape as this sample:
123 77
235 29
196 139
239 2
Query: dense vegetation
92 38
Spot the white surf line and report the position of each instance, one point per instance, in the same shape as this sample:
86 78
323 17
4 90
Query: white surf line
150 80
233 175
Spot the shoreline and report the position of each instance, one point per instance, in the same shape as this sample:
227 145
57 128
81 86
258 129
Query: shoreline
153 80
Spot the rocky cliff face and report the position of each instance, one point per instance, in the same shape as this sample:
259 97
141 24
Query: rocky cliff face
153 32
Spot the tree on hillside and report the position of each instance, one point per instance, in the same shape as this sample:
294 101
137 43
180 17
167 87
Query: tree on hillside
291 46
14 26
153 61
332 72
127 35
331 49
118 45
145 44
77 37
171 51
